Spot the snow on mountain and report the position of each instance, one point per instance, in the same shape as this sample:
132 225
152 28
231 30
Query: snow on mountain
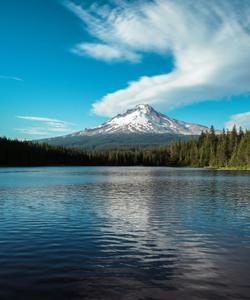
143 119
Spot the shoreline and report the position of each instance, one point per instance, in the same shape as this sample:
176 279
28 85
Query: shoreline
151 166
235 169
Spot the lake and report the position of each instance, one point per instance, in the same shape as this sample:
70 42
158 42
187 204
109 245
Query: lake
124 233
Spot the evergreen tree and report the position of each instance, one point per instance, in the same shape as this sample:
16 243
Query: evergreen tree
228 149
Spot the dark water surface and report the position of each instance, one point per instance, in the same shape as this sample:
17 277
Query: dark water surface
124 233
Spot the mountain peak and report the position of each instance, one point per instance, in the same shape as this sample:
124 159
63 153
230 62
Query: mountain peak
144 107
141 108
143 119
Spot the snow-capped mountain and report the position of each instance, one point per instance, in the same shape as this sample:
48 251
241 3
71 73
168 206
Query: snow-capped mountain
143 119
141 126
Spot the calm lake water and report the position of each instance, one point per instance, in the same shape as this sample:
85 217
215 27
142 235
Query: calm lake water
124 233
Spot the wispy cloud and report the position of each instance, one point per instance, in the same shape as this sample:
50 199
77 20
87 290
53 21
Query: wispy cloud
47 126
239 120
104 52
209 40
11 78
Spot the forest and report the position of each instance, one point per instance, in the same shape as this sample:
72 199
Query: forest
230 149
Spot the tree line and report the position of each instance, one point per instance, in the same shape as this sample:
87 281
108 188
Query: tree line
228 149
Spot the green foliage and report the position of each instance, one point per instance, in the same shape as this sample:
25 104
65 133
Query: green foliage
229 149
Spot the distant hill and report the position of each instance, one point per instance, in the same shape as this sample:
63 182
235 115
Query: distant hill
106 141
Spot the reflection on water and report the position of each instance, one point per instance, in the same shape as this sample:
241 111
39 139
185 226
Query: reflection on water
124 233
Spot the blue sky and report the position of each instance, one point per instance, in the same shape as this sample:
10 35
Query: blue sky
67 65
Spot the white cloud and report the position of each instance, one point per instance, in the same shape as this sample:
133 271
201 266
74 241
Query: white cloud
11 78
209 40
240 120
104 52
47 126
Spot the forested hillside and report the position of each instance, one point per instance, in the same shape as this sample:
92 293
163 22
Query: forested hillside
229 149
116 141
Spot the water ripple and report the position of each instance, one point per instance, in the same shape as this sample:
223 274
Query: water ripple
124 233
